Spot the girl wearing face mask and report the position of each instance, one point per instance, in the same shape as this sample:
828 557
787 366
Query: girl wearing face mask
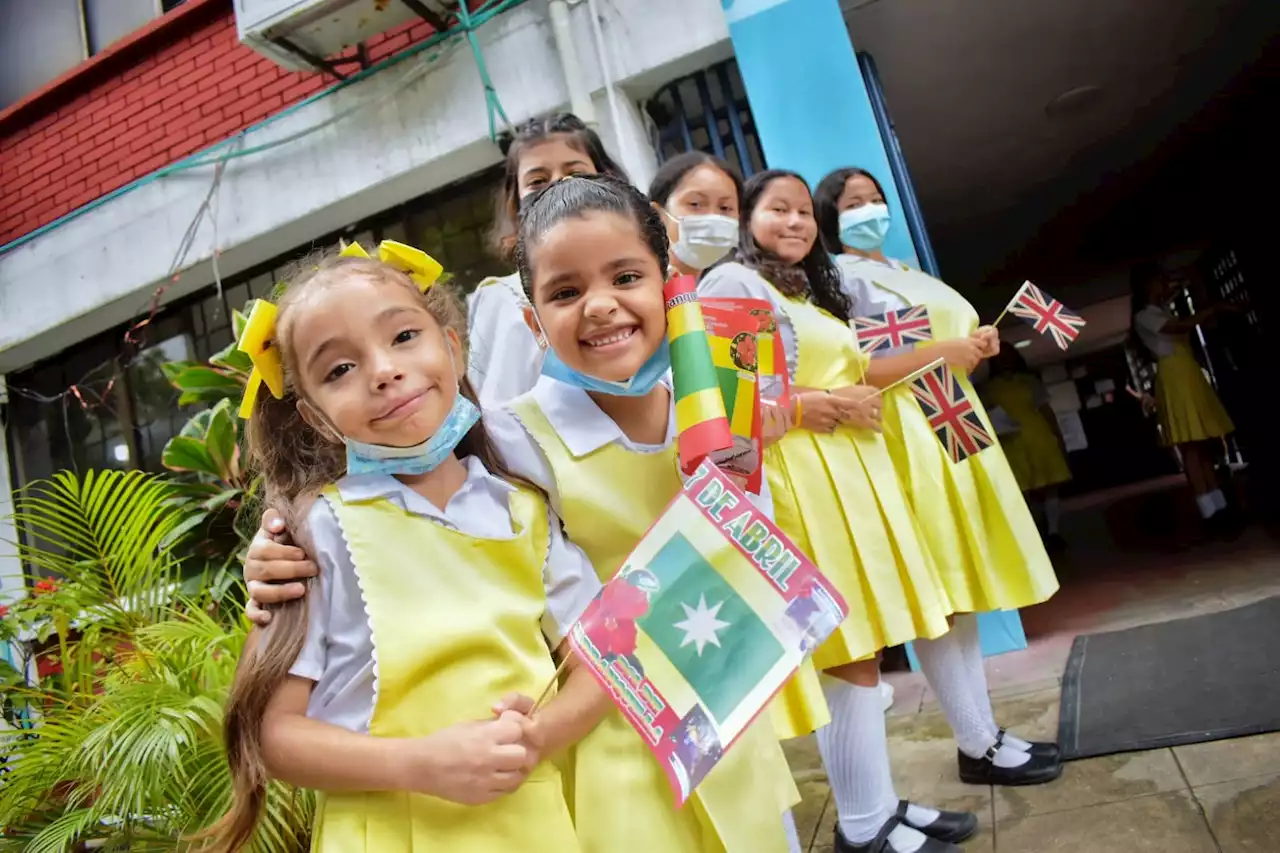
698 197
400 688
837 495
505 361
974 519
597 434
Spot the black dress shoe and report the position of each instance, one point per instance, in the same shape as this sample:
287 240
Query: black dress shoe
1039 748
952 827
880 844
983 771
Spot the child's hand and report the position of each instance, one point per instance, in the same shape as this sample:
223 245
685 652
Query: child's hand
989 339
822 411
964 353
268 564
775 420
864 406
519 708
472 763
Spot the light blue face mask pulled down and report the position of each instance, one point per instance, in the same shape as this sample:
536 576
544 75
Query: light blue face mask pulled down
865 227
650 374
364 458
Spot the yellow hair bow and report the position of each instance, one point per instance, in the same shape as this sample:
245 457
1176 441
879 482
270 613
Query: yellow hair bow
421 267
256 342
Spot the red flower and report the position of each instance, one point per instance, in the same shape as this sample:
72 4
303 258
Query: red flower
44 587
4 610
610 619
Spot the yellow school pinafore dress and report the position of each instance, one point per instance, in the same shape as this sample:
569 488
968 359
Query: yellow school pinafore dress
1186 405
975 520
838 498
607 500
1034 452
451 636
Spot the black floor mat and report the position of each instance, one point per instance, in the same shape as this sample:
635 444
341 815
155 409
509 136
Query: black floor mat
1187 681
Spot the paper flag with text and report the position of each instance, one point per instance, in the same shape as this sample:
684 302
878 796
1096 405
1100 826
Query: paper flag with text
708 617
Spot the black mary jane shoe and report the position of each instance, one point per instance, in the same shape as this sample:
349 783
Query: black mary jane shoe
952 827
1039 748
983 771
881 844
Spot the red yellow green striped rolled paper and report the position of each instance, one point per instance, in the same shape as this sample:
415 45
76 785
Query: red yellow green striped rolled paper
701 423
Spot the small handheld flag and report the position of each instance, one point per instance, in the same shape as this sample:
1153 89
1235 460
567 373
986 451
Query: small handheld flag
1045 314
892 329
706 620
951 415
702 425
735 349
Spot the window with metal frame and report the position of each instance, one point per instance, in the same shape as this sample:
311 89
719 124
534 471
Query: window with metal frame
707 111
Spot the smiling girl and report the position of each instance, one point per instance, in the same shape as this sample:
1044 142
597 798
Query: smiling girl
597 433
444 584
837 496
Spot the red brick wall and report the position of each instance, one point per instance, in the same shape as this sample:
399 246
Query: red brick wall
181 85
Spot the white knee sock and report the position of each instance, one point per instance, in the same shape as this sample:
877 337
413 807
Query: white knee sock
793 837
1206 505
965 630
943 663
1052 513
855 750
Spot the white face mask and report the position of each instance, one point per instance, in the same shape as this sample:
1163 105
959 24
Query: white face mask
704 239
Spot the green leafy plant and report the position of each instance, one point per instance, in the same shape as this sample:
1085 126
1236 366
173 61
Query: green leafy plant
208 458
120 743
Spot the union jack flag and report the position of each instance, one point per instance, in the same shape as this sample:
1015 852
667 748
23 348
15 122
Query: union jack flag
1046 314
951 415
893 329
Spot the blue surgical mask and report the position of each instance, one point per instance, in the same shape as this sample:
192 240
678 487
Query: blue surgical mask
650 374
865 227
363 458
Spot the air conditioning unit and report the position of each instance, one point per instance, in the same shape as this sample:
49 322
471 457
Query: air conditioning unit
301 34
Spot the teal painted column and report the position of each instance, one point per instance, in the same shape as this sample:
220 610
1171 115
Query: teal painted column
812 113
808 101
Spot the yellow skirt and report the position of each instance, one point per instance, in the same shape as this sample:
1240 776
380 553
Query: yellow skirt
800 708
839 500
1035 455
621 802
535 817
1186 404
975 521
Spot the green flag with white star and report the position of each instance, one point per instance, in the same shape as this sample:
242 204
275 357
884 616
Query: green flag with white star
708 632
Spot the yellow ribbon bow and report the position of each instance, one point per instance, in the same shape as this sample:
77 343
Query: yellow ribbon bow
421 267
256 342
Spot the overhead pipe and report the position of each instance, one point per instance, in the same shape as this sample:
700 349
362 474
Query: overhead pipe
579 95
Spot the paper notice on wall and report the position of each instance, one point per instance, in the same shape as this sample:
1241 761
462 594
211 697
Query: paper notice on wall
1064 397
1073 437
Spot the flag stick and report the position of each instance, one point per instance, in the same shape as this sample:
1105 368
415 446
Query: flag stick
1010 305
1006 308
546 691
912 375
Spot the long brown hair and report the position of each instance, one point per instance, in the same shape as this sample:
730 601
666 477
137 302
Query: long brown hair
296 462
506 215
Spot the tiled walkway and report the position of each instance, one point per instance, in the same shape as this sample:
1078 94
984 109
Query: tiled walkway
1221 797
